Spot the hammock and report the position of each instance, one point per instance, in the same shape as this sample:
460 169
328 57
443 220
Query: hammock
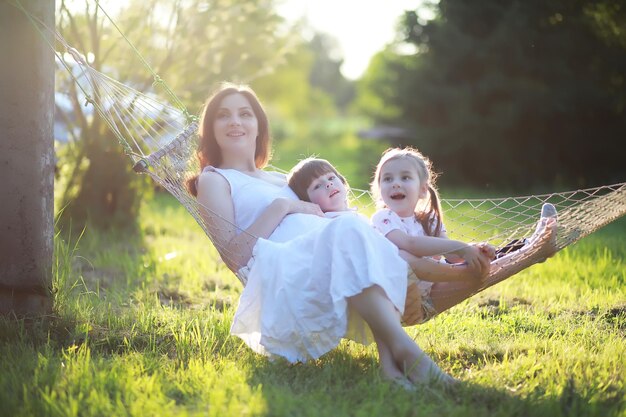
161 141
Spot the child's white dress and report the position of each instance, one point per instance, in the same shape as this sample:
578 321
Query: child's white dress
294 304
386 220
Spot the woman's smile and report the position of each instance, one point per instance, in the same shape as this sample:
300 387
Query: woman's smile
235 134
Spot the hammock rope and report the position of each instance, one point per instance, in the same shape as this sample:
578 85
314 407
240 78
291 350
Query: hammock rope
161 141
156 77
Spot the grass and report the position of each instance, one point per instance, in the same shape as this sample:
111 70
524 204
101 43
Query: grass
141 327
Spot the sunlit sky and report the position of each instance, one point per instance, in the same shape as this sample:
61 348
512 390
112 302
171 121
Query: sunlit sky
361 27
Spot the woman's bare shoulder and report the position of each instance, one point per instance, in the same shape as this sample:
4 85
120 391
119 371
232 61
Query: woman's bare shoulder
212 181
277 174
277 178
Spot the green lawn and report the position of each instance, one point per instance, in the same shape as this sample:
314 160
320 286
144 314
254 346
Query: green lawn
141 328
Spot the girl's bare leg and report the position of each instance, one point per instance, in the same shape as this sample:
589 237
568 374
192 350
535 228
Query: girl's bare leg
452 283
428 269
380 314
543 245
448 294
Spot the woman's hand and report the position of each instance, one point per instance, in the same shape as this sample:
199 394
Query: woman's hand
290 206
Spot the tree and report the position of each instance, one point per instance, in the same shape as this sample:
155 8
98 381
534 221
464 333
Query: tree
190 43
515 93
326 70
26 99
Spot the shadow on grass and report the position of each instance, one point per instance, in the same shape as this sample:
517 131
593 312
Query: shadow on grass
340 384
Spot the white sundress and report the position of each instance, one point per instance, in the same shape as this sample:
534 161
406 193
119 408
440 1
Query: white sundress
294 304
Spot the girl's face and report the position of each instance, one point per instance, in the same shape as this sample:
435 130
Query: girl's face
236 127
328 192
400 186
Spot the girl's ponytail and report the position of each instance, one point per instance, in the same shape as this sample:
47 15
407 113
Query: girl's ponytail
434 214
430 219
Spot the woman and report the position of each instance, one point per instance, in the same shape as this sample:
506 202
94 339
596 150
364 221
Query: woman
310 280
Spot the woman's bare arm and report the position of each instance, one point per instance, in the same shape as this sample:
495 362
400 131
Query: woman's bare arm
235 245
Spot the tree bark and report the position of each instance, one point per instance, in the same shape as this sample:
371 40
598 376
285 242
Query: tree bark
26 159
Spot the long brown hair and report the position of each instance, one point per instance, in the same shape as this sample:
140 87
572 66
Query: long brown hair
209 152
431 218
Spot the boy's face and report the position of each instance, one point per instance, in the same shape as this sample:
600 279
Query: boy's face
328 192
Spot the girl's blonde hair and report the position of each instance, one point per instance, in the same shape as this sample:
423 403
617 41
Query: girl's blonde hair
430 216
306 171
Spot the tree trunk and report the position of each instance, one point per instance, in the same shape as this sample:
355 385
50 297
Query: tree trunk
110 191
26 160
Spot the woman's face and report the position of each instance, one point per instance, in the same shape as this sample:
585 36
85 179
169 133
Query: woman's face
236 127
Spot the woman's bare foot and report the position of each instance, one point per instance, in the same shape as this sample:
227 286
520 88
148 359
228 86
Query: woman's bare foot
419 368
402 382
389 369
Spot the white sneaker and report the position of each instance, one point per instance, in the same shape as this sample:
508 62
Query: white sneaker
548 211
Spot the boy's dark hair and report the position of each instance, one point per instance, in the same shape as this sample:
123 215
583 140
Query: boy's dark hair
302 175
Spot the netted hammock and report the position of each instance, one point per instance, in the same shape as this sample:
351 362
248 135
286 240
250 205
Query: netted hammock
161 140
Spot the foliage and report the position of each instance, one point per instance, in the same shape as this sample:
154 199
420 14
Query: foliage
326 70
191 43
142 328
306 100
495 89
95 157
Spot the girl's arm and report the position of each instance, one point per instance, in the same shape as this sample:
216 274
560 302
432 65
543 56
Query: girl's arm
428 269
432 246
450 257
235 245
485 248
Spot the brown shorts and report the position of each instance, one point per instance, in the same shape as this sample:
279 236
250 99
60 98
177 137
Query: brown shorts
428 308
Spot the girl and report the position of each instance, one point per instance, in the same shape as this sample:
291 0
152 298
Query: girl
411 218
